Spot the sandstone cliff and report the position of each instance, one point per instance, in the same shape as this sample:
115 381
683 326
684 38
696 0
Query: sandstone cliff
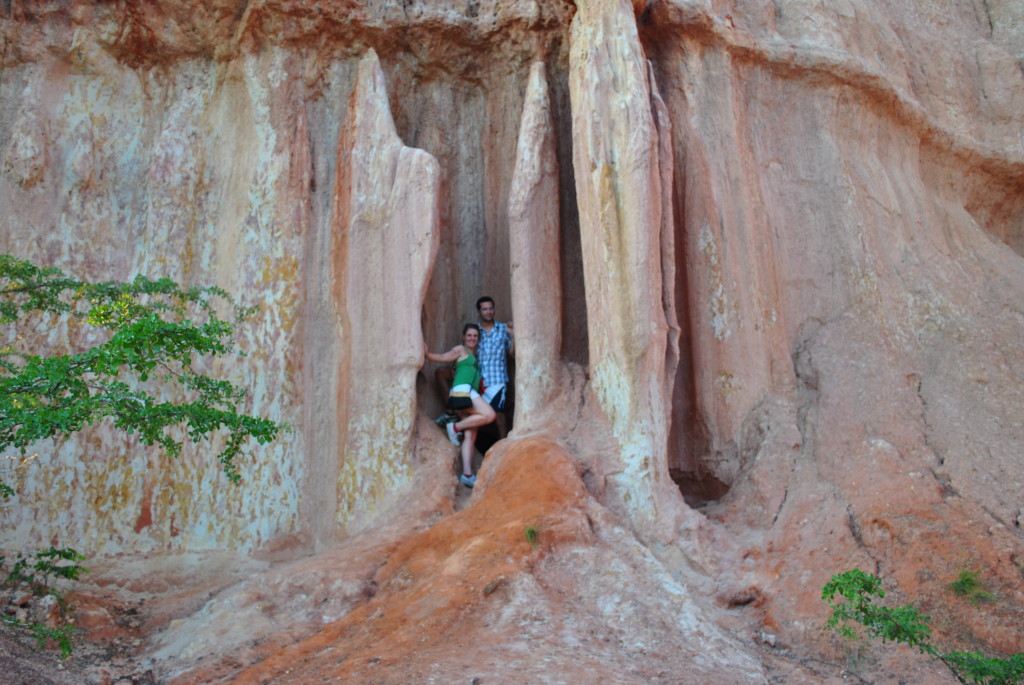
765 264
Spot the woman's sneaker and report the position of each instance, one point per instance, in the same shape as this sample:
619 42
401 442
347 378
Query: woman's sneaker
468 481
445 418
454 435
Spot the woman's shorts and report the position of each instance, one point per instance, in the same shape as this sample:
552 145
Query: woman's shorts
465 387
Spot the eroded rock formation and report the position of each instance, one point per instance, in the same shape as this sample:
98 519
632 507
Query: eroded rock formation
533 217
617 146
765 265
386 232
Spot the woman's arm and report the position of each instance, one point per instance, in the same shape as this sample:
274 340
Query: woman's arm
452 355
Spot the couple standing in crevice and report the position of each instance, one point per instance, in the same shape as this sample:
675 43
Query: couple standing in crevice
475 382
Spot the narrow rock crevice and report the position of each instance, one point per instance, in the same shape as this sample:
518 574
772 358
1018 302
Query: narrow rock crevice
854 526
807 386
928 432
782 505
987 19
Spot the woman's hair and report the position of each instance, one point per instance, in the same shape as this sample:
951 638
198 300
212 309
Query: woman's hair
468 326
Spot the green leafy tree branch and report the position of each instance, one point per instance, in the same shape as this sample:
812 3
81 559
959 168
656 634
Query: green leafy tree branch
152 335
141 346
855 605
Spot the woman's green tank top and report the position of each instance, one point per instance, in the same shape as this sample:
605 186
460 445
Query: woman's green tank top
467 372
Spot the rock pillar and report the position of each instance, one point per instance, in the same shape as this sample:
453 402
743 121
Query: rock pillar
533 219
386 239
617 156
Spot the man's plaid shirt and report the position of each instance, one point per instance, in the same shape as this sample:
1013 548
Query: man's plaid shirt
491 352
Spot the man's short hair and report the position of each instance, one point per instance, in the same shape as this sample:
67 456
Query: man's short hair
485 298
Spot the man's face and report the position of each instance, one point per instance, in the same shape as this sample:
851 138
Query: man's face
486 311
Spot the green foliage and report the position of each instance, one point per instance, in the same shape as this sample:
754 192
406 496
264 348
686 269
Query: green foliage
151 336
38 569
140 345
857 591
969 586
43 634
983 669
531 536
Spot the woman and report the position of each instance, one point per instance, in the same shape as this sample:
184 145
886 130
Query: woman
467 380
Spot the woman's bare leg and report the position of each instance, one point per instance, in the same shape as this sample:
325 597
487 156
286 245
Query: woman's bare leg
480 415
468 445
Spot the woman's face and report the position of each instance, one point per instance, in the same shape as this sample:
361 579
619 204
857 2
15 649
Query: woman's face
471 337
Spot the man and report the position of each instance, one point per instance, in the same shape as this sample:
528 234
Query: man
496 344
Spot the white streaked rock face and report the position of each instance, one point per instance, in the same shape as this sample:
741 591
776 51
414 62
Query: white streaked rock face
534 239
386 232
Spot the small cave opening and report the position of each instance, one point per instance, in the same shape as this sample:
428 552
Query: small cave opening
698 489
690 443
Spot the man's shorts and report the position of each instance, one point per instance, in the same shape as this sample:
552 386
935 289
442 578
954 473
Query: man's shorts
495 396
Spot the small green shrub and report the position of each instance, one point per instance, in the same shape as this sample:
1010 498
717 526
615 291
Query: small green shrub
38 571
531 536
43 634
969 586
